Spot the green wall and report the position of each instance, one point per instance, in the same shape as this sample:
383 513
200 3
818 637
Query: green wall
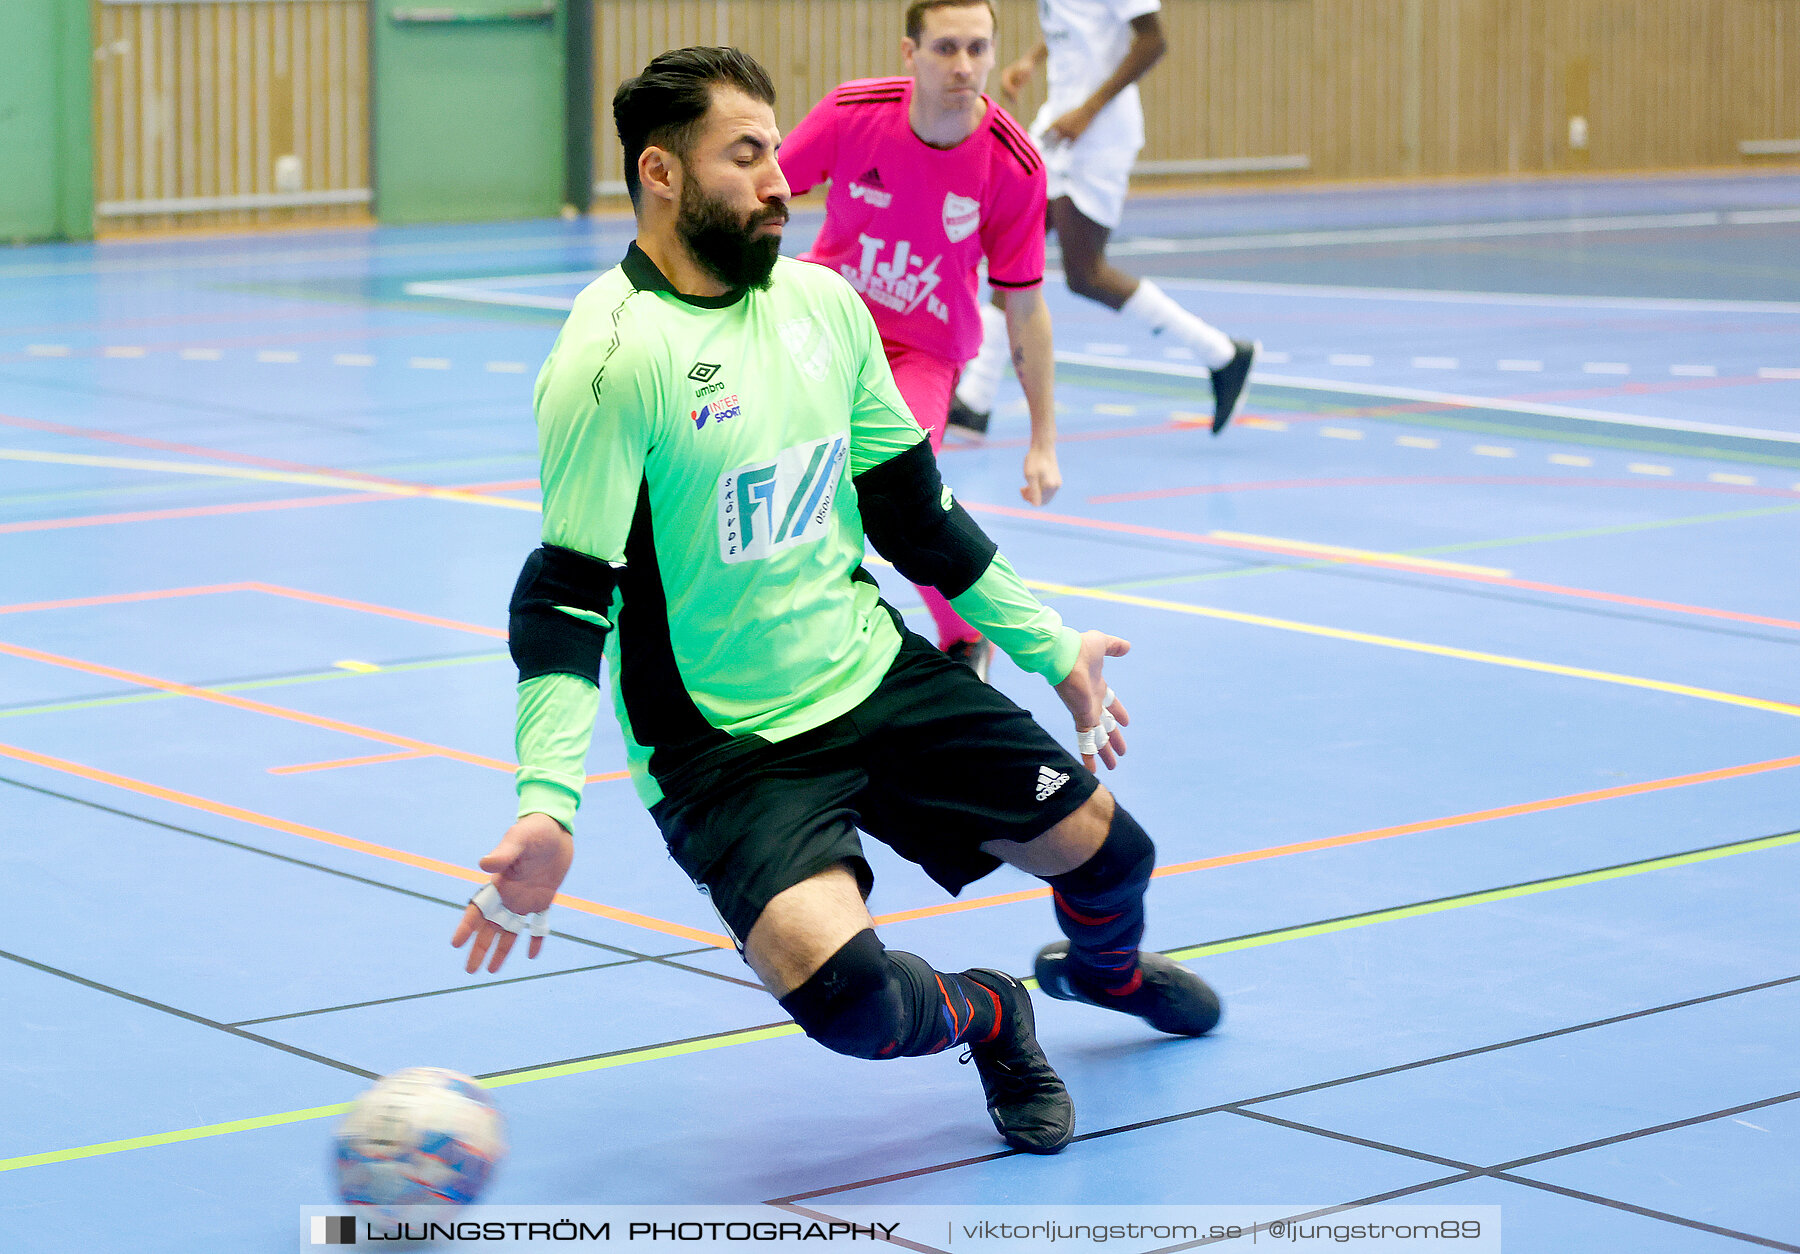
46 121
470 111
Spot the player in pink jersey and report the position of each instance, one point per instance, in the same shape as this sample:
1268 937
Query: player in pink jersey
928 176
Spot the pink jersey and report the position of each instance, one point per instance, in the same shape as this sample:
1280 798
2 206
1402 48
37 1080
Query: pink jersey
906 223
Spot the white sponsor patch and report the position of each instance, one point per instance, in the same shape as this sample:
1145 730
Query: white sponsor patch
871 195
1049 781
961 217
767 507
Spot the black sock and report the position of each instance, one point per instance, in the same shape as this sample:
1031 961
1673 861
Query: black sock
1100 907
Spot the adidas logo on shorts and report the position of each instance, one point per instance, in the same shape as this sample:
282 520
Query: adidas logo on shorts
1049 781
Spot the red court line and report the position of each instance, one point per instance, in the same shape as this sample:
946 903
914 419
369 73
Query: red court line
196 450
420 861
1380 833
255 707
118 598
193 511
367 607
1398 563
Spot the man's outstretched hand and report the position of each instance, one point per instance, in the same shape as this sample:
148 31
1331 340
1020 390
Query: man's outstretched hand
1084 692
528 866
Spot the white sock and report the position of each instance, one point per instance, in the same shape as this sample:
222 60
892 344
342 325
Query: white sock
980 380
1153 305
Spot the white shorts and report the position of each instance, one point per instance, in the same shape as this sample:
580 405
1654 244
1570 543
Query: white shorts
1092 172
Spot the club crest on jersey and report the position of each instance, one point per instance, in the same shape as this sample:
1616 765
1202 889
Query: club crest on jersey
721 410
961 217
809 344
768 507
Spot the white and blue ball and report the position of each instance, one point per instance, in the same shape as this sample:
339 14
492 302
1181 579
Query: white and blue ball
424 1136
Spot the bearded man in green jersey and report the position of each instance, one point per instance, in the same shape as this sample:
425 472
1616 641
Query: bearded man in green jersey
720 434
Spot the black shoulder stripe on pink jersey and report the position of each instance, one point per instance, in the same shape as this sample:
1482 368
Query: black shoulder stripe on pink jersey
873 98
1022 152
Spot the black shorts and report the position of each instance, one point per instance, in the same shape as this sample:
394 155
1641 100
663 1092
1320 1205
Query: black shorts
934 763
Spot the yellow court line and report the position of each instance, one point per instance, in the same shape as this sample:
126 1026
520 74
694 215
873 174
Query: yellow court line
1335 550
1419 646
265 476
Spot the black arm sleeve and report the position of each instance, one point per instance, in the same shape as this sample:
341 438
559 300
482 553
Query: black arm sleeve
905 519
543 639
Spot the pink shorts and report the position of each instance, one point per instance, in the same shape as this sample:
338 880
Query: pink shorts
926 382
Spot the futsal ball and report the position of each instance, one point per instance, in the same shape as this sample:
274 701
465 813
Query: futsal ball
421 1137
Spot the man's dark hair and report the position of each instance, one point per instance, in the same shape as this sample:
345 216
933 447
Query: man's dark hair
915 13
663 106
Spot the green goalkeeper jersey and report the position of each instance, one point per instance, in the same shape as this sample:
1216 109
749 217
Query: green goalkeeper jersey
706 449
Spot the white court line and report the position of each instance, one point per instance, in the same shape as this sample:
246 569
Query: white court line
1150 245
1458 297
1444 398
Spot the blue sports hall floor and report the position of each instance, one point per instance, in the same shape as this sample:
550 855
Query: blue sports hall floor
1465 698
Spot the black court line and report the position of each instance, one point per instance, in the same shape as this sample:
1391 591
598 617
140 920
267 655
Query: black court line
188 1015
1500 1171
1236 1107
440 992
666 960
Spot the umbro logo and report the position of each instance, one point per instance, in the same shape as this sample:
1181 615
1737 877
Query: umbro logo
703 371
1049 781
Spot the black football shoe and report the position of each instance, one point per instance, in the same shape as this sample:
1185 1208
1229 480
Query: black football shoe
1168 997
1228 382
1028 1103
967 420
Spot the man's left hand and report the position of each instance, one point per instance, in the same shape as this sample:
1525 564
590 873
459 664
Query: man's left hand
1042 477
1084 691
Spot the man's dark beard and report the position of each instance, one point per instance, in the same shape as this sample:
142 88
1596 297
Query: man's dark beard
727 247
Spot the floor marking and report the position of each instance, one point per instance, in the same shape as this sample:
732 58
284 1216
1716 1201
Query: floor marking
1454 400
122 350
405 755
1570 459
1111 350
1341 433
1519 364
1694 372
47 350
1401 561
1274 358
1486 896
1432 295
357 668
1117 411
1648 468
1351 359
1378 833
1419 646
201 354
417 861
745 1036
1719 476
1248 420
1493 450
352 359
1778 372
429 363
265 476
275 356
1605 367
1417 441
506 367
1419 481
1307 548
257 707
1436 363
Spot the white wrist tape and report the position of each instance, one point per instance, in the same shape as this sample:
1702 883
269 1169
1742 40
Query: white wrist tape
1087 743
487 900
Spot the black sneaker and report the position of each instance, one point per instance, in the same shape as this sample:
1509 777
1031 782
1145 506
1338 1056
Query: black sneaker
974 654
1170 999
1027 1101
967 420
1228 382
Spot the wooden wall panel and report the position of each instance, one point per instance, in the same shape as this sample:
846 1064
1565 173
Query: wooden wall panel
194 102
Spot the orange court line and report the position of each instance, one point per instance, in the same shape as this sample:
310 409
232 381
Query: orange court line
118 598
1378 833
420 861
367 607
404 755
256 707
1397 563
